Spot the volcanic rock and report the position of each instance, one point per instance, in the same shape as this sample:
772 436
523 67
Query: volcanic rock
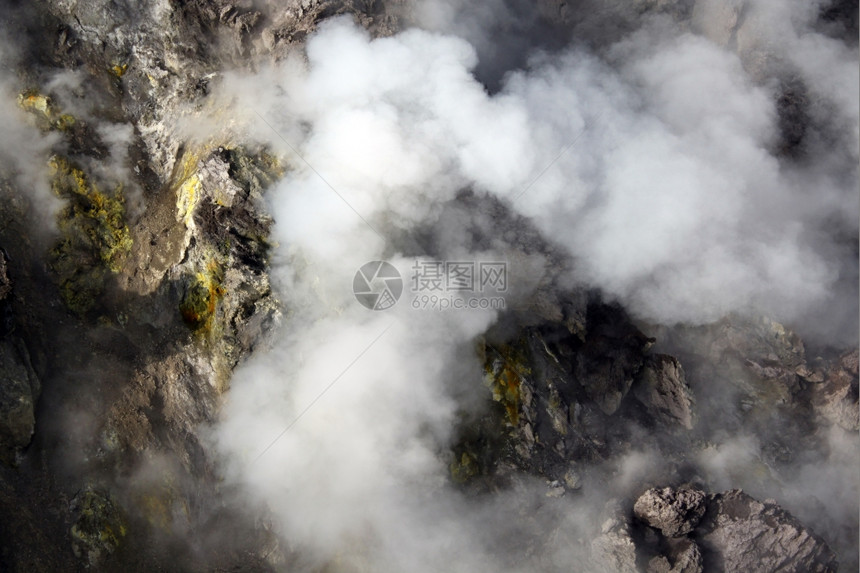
674 512
740 533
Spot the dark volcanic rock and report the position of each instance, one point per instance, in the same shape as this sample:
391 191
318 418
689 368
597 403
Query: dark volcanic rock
740 533
558 391
5 283
611 357
674 512
19 387
19 384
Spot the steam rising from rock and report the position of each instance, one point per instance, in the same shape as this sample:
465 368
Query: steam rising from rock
654 163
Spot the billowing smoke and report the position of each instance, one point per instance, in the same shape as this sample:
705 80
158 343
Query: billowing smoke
657 164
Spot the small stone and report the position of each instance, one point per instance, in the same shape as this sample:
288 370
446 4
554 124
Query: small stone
572 479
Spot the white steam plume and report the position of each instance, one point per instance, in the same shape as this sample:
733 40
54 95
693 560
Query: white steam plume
666 192
24 150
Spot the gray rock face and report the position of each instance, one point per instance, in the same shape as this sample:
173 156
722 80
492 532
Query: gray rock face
614 551
834 392
674 512
662 389
730 531
684 557
743 534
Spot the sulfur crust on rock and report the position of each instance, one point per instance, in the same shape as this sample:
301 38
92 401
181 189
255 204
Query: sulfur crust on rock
43 108
204 291
99 528
95 239
504 369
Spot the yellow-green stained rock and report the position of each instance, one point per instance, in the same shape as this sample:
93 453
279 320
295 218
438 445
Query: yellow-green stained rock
47 114
504 369
99 528
201 297
464 468
64 122
95 236
33 101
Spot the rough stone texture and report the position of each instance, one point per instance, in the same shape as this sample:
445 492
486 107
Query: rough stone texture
19 383
751 372
18 394
5 281
674 512
614 551
835 396
662 389
99 526
610 358
771 377
740 533
556 390
684 557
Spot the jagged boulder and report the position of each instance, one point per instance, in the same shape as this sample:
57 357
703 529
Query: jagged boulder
610 358
740 533
684 556
674 512
835 396
558 388
614 551
729 531
662 389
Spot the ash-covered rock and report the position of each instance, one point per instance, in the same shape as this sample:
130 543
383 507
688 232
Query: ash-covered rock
834 392
729 531
661 387
613 550
683 556
675 512
740 533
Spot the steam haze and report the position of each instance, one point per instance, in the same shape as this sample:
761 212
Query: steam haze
654 162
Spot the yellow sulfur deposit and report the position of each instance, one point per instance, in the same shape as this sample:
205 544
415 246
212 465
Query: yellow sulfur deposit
95 237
